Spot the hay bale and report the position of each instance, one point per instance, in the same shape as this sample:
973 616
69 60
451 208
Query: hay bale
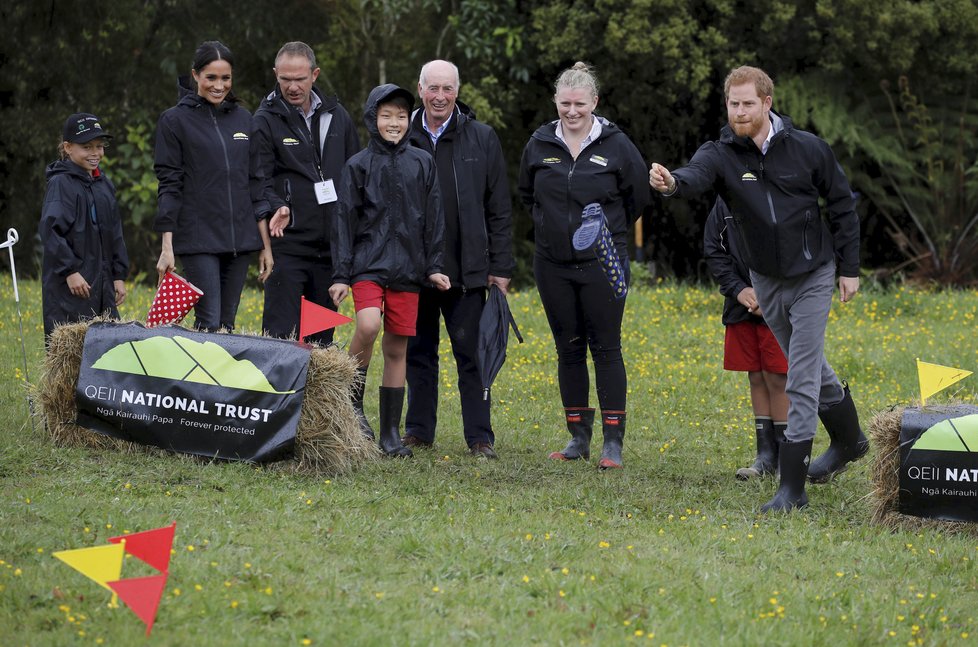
328 438
884 430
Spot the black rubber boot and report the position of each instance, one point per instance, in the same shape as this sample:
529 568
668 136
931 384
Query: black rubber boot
793 461
766 461
579 424
613 427
391 407
357 395
847 443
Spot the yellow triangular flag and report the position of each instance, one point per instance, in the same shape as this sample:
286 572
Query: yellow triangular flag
102 564
934 378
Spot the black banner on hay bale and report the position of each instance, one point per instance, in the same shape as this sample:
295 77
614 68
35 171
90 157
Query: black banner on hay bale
228 396
939 463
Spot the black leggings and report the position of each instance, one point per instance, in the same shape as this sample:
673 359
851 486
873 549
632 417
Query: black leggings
584 313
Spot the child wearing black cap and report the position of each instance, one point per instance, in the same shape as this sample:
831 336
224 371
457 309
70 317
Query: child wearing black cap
85 260
388 240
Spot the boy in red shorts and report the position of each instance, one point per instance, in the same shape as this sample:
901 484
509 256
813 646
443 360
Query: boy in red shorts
387 239
749 344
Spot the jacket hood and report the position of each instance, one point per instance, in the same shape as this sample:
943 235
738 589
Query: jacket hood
376 97
548 131
187 95
274 102
67 167
779 122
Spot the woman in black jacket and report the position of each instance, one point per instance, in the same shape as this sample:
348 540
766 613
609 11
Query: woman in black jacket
205 210
568 164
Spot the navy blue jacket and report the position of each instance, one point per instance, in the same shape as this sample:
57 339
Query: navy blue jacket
721 250
389 225
202 161
484 203
556 188
81 231
774 200
287 160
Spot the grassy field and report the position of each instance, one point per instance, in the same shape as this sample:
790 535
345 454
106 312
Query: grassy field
445 549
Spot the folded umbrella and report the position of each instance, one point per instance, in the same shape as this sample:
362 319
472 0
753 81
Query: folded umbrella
494 325
593 234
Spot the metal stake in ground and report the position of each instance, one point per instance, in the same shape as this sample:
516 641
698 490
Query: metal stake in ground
12 238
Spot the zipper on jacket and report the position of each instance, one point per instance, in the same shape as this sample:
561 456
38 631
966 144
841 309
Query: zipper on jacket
804 236
774 215
227 165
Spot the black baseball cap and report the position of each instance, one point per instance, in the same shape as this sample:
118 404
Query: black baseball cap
83 127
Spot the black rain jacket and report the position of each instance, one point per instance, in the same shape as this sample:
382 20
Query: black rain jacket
722 253
203 164
81 231
774 200
556 188
389 226
287 161
484 202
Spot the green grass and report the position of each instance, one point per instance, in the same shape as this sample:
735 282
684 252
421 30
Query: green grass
445 549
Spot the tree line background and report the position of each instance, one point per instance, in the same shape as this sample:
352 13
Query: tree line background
888 83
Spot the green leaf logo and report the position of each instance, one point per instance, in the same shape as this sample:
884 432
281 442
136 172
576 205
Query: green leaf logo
179 358
952 435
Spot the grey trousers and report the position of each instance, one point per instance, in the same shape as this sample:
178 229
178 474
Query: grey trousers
797 311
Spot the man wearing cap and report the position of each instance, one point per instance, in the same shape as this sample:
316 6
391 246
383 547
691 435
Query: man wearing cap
301 139
85 261
478 254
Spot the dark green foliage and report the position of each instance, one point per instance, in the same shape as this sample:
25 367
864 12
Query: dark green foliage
661 64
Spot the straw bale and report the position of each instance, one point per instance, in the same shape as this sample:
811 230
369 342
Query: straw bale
884 430
328 438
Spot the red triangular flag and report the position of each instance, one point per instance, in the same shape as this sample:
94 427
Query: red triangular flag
315 318
175 297
151 546
142 595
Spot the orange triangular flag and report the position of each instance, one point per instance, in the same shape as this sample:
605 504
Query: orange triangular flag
315 318
101 564
151 546
934 378
142 595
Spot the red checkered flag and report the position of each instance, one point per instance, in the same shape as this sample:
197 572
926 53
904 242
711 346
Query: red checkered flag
174 299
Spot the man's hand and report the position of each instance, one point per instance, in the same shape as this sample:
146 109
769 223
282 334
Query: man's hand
338 292
120 291
848 286
661 179
748 299
78 285
440 281
279 221
500 282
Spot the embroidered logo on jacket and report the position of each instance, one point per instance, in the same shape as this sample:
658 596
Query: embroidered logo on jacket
748 177
242 137
597 159
551 160
289 141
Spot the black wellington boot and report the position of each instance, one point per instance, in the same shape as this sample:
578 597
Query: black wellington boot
391 407
766 461
613 427
847 441
357 395
579 424
793 461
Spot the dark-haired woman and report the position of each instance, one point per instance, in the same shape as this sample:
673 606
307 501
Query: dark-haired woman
205 211
569 163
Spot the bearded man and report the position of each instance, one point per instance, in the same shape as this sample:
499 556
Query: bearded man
772 175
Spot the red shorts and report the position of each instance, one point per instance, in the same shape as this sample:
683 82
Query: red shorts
751 346
400 308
